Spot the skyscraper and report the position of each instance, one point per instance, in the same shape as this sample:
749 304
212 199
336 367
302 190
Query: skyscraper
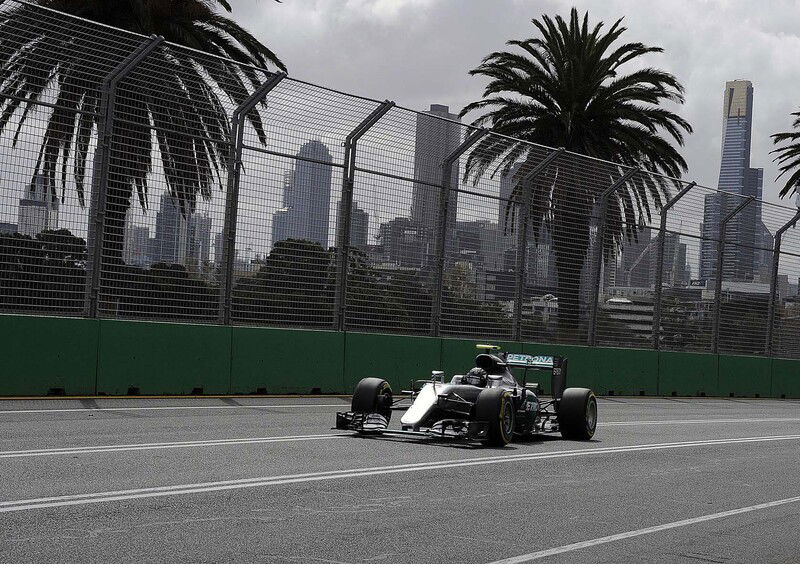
359 225
504 212
636 258
199 239
170 242
305 213
38 210
219 245
736 179
136 247
435 140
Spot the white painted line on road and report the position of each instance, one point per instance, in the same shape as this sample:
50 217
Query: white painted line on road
292 438
264 481
156 446
696 421
162 407
646 531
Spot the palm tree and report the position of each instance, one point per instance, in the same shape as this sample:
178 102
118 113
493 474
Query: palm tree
789 156
566 89
183 101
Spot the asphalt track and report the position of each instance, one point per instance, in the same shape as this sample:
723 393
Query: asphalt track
267 480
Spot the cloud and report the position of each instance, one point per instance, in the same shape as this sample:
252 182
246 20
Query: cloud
418 52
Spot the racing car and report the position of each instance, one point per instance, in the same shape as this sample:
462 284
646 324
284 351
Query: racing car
487 404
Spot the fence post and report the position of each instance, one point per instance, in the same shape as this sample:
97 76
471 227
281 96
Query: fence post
718 283
97 205
522 239
773 280
441 227
597 258
346 210
232 192
659 283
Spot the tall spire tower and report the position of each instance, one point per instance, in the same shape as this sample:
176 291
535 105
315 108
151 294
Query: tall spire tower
738 179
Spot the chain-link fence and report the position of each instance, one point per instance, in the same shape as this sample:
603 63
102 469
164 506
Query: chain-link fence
143 180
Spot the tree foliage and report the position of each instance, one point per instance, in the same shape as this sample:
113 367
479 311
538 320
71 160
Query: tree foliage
788 157
183 97
566 88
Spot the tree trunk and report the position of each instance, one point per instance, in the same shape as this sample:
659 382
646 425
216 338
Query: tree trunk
571 221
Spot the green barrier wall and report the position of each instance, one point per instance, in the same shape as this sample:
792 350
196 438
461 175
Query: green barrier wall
286 361
745 376
688 374
163 358
44 355
785 378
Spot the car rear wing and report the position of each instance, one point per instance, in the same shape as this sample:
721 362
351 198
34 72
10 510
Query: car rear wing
557 364
530 361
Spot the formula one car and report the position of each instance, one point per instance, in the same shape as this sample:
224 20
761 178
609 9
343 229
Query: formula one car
486 404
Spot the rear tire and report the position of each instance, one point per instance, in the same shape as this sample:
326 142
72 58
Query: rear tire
577 414
495 406
373 395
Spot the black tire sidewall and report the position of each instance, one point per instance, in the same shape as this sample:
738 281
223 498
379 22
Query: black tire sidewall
572 414
491 407
367 395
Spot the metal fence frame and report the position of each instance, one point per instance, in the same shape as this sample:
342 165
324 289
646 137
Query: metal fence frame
470 138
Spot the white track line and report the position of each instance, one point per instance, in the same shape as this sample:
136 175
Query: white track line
93 449
696 421
67 410
264 481
156 446
646 531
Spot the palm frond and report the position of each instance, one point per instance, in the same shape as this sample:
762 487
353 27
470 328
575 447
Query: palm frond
183 88
788 157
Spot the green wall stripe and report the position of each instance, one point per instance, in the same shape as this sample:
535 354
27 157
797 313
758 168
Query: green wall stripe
163 358
89 356
286 361
40 354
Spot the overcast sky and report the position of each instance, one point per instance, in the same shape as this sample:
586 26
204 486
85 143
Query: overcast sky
418 52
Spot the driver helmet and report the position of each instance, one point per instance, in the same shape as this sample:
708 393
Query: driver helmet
476 377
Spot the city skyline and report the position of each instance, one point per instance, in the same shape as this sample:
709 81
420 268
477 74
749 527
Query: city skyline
259 244
305 210
702 58
739 179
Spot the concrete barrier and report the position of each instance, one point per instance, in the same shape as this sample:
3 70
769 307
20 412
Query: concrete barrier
41 355
57 355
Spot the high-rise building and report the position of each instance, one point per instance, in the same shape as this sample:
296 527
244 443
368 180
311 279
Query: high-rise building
435 140
359 225
136 247
736 179
171 240
305 213
199 239
477 242
762 266
8 228
635 261
505 213
38 210
763 238
399 242
219 246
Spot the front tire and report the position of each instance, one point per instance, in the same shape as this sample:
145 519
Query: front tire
577 414
373 395
495 406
